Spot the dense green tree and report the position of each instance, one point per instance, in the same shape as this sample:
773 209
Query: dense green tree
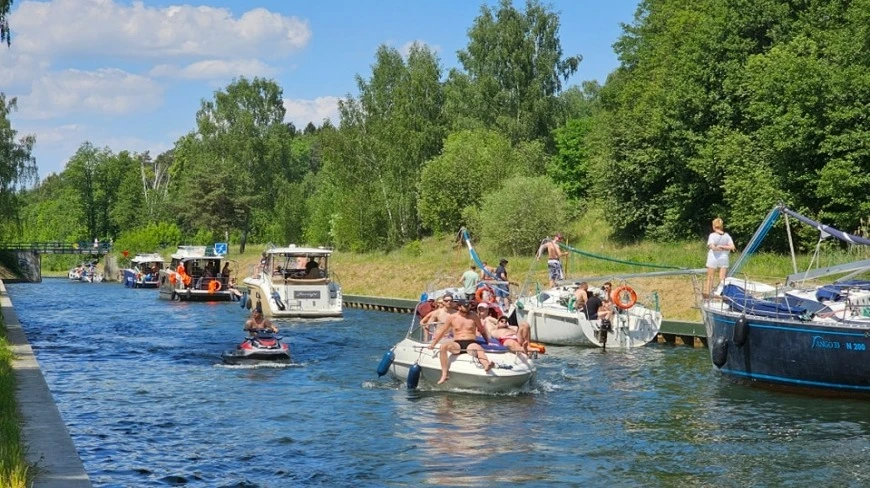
374 159
472 164
720 108
84 175
533 206
227 169
513 71
17 166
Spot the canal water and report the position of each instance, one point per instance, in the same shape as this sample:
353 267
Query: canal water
141 387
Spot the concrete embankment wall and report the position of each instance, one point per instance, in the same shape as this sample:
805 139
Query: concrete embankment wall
49 446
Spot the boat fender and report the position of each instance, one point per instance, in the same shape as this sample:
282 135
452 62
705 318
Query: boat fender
248 303
244 300
719 351
278 302
414 376
624 297
741 331
570 305
385 363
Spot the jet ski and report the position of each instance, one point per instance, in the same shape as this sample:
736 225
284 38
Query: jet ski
262 346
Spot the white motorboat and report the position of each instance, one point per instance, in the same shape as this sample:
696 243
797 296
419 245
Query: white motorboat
553 320
144 271
295 282
194 275
412 358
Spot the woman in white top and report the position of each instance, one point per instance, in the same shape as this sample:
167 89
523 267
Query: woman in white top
720 246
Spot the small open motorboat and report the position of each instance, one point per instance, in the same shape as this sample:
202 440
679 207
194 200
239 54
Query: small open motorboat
412 362
263 346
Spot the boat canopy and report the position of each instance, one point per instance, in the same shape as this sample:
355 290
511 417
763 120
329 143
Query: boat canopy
192 252
147 258
293 250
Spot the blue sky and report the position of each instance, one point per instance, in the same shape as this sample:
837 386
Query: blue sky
131 75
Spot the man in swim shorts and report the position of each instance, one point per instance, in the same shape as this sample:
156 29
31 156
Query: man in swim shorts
465 325
554 256
517 340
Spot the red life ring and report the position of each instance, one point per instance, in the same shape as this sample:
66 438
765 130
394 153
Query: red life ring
478 295
624 297
214 286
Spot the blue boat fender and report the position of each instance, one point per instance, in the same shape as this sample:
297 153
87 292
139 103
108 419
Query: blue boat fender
277 298
414 376
719 351
385 363
741 331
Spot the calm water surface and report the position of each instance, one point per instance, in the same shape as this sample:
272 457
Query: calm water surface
139 383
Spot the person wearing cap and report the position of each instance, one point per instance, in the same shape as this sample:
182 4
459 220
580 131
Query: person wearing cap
502 290
554 256
258 322
465 326
486 317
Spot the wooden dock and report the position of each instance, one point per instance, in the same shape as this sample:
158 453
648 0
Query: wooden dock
676 332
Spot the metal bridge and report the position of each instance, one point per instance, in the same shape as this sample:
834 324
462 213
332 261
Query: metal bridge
58 247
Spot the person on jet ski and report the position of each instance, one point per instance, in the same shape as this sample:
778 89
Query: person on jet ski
258 322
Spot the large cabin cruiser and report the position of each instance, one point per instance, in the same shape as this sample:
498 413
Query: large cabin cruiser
295 282
195 274
144 271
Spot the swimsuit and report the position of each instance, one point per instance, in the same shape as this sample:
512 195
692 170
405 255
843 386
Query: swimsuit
463 345
555 268
502 340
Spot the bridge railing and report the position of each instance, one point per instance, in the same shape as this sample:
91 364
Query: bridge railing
57 247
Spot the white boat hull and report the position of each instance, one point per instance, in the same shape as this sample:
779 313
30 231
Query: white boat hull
295 298
511 373
554 324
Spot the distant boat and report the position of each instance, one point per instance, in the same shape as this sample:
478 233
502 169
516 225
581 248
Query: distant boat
295 282
794 336
144 271
194 275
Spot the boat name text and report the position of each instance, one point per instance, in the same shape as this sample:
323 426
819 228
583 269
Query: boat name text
822 343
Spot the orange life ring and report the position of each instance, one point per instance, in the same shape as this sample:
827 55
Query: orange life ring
214 286
622 292
478 295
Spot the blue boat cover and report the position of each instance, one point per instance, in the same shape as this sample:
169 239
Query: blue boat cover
737 298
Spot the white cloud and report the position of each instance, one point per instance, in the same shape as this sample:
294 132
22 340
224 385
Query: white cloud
17 71
108 91
301 112
214 69
106 28
405 50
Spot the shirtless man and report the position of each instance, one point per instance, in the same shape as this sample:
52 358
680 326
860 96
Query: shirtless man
554 255
258 322
465 326
487 318
437 316
517 340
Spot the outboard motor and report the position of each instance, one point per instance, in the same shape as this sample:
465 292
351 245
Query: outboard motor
414 376
603 330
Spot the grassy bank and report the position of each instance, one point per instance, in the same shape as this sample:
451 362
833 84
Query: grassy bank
13 468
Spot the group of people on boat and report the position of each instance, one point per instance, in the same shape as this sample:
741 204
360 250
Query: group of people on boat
464 322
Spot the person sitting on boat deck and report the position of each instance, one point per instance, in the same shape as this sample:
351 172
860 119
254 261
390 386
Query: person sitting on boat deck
483 311
554 256
439 315
465 325
516 340
469 282
231 287
425 307
312 270
258 322
225 272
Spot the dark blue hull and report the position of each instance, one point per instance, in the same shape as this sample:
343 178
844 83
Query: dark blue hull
828 359
137 280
